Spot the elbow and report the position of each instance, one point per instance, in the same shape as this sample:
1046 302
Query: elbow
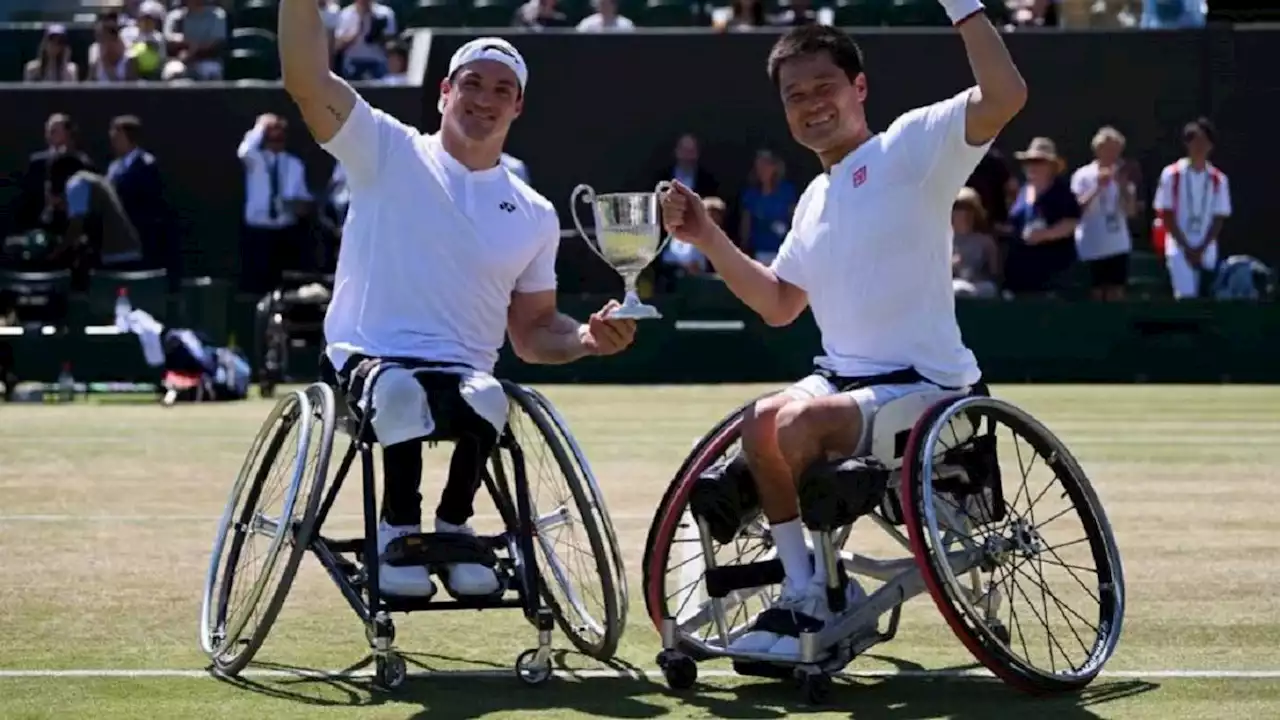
1014 97
778 317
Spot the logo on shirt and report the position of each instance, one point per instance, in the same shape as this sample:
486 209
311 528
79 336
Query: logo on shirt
504 205
860 176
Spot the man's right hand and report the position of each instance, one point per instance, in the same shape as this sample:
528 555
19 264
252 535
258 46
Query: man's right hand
684 215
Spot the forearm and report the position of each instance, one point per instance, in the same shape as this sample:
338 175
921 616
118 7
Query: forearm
556 341
754 284
1215 229
1062 229
1170 222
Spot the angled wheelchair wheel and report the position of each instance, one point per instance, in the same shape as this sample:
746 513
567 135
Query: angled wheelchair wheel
577 558
988 489
676 555
266 527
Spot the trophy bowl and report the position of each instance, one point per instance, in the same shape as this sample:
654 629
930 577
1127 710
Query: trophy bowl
628 237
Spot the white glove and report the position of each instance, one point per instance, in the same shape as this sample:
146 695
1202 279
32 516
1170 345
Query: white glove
958 10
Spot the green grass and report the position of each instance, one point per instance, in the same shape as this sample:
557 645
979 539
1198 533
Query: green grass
109 576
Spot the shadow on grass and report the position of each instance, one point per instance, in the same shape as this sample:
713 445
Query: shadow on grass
489 690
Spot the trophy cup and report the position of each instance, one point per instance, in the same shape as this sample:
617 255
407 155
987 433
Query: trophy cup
628 237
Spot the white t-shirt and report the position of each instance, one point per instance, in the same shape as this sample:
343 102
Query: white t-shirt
1202 196
870 243
350 20
1104 229
596 23
431 251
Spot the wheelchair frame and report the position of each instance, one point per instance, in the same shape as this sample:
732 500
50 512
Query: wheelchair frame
856 631
357 578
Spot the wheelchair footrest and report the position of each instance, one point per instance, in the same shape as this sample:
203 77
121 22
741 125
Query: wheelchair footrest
723 580
430 549
757 668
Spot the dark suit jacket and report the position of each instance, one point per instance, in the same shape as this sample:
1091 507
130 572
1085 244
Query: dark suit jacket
705 184
141 193
30 203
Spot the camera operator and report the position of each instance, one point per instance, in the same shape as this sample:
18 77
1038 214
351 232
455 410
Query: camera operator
364 28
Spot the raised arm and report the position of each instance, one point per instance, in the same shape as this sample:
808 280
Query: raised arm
1001 90
325 100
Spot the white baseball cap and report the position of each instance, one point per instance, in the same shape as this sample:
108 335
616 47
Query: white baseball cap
488 48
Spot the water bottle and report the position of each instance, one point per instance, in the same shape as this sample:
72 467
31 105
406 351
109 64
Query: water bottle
66 384
123 308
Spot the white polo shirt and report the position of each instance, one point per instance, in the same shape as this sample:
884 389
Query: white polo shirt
1202 195
871 245
1103 231
431 251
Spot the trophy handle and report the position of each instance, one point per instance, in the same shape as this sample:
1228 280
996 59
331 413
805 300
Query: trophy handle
590 195
664 237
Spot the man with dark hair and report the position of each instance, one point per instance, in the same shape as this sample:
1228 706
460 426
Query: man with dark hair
98 232
870 251
136 178
31 212
1193 201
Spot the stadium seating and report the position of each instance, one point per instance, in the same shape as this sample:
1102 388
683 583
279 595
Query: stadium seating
263 14
435 14
147 289
669 13
492 13
35 297
253 55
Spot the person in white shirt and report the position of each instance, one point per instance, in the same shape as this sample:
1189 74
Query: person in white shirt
275 199
606 19
364 28
1193 200
444 252
1107 199
869 251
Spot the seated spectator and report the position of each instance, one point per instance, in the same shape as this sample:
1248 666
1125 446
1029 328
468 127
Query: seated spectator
145 40
397 64
330 11
364 29
536 14
1036 13
740 15
98 232
1043 219
53 61
113 64
802 12
975 259
606 18
767 206
197 35
1171 14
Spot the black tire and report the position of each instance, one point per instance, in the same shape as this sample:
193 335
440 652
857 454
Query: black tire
991 642
555 594
313 410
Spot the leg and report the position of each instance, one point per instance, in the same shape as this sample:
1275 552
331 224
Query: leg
402 515
1184 278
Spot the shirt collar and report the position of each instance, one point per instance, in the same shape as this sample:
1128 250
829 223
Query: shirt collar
453 167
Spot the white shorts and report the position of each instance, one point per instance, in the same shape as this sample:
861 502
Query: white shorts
870 400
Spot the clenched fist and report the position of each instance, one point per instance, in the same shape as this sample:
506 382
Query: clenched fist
684 215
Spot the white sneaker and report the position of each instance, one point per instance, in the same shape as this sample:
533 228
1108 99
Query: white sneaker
795 606
467 579
410 581
817 608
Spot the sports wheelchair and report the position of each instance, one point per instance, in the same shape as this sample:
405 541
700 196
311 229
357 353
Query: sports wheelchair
710 562
287 317
537 573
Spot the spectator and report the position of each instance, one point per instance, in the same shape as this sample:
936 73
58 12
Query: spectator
113 64
330 12
682 259
1106 197
135 175
32 210
145 40
801 12
767 205
98 233
276 197
537 14
1193 200
1043 220
1036 13
688 170
740 15
606 18
1169 14
197 34
997 186
364 29
53 61
106 20
397 64
975 258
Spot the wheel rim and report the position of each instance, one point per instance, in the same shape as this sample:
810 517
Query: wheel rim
1048 623
225 615
569 554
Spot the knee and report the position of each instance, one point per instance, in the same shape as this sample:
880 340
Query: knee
399 407
808 430
759 426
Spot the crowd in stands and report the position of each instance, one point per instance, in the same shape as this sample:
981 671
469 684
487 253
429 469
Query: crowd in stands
196 40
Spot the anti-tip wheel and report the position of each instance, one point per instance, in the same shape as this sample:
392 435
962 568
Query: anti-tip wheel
530 671
390 671
680 671
816 688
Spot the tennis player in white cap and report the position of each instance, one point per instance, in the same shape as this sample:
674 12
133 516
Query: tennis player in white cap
444 251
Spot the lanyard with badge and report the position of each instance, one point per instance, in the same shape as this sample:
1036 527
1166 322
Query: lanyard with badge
1195 220
1111 215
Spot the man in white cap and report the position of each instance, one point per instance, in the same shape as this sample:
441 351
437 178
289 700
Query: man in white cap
443 252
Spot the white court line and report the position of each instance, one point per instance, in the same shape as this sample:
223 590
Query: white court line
973 674
39 518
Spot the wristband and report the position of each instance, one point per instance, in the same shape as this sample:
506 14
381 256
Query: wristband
961 10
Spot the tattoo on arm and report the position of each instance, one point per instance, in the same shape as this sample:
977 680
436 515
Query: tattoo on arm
337 114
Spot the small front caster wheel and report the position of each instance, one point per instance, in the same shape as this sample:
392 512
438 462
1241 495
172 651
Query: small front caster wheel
390 671
530 671
680 671
816 688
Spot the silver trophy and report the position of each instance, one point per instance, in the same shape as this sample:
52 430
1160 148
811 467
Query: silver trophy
628 237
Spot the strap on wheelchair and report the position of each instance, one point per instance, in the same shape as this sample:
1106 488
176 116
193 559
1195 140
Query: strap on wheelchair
427 549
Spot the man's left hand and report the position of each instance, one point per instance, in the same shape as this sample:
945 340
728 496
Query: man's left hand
601 336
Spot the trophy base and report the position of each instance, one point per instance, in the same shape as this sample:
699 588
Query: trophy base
634 312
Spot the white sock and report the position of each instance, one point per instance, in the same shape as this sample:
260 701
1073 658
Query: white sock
788 537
